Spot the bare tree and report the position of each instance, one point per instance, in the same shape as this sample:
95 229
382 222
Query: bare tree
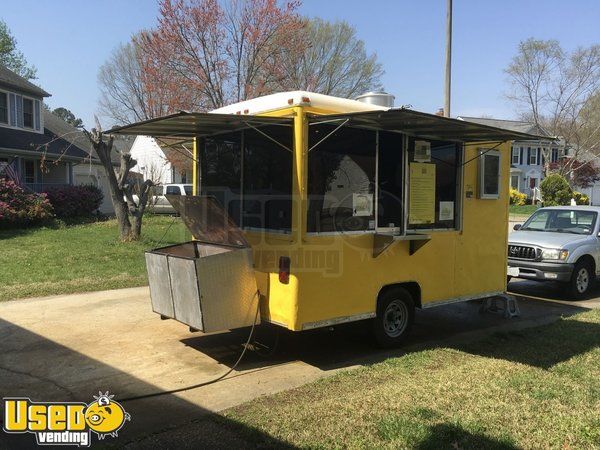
204 54
556 90
335 62
224 51
126 88
128 211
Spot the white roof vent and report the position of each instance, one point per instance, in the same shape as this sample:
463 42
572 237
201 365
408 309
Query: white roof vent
378 98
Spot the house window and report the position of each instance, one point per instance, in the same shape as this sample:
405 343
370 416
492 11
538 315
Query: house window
533 157
3 107
27 113
514 182
515 155
29 171
489 174
554 157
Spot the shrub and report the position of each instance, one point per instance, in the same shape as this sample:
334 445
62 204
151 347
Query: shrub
19 207
555 190
581 199
517 198
75 201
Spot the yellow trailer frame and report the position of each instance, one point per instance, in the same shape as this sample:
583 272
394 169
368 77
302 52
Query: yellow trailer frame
455 265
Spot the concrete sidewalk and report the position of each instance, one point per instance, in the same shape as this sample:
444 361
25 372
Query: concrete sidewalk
64 348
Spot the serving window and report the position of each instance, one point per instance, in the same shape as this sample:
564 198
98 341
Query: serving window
362 180
250 174
341 179
434 184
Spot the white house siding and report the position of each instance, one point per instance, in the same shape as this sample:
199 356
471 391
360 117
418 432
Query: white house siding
593 192
151 161
527 164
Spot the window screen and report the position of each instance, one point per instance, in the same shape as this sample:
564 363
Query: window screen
221 171
341 179
445 162
264 169
268 179
390 196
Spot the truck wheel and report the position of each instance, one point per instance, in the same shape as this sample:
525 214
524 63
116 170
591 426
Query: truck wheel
582 280
395 316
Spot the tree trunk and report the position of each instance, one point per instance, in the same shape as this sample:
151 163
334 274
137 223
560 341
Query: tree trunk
122 221
120 189
136 230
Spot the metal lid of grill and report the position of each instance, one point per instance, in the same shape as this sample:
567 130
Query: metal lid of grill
207 220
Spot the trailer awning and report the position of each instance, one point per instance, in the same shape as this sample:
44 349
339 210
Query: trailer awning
429 126
188 124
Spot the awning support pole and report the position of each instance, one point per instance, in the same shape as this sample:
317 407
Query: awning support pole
269 137
336 128
482 153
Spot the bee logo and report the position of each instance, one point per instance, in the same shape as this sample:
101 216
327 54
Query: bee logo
105 416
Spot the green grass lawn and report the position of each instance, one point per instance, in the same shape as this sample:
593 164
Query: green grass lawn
536 388
523 210
46 261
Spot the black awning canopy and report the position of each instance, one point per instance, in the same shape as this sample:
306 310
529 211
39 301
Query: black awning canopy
414 123
424 125
188 125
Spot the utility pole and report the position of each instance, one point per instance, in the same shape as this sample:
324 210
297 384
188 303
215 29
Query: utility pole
448 58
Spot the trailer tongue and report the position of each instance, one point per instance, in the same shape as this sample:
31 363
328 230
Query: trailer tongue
209 283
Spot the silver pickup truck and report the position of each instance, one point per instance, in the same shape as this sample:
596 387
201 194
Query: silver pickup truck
559 243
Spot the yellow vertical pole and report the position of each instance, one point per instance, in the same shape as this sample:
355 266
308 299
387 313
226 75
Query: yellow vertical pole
299 188
195 178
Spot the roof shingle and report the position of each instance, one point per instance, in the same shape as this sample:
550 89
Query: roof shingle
10 79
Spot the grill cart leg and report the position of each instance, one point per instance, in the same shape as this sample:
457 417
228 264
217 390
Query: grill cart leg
504 304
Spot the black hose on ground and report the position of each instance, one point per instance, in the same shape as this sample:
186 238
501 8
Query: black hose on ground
206 383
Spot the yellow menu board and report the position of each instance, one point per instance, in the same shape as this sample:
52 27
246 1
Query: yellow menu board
421 193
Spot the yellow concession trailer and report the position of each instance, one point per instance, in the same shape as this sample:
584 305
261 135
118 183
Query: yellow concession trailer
333 210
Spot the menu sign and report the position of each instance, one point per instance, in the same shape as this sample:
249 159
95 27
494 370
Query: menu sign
421 194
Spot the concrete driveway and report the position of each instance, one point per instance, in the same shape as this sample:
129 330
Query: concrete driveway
69 347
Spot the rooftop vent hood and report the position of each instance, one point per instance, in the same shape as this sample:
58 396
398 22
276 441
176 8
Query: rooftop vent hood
378 98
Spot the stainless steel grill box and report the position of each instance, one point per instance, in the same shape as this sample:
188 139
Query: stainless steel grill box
207 284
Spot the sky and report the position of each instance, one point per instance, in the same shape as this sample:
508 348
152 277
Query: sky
68 40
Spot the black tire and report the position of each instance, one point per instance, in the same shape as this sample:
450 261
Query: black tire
582 280
395 317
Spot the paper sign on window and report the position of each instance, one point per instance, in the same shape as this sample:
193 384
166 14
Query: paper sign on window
446 211
421 194
362 204
422 151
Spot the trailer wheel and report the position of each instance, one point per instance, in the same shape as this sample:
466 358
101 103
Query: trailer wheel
395 316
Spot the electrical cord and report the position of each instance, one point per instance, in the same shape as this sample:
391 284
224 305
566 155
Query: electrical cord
206 383
166 231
